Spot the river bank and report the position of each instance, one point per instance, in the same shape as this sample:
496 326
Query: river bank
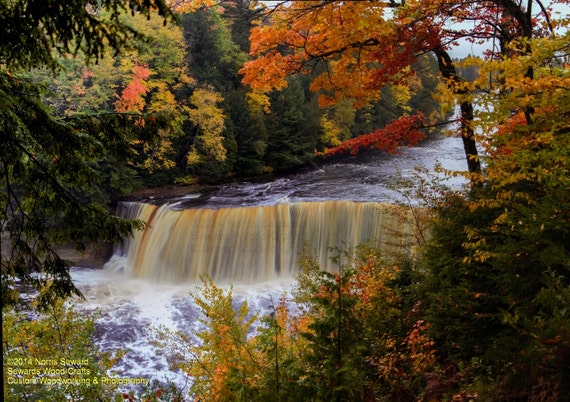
94 256
97 254
163 194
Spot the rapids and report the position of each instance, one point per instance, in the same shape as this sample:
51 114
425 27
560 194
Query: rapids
246 234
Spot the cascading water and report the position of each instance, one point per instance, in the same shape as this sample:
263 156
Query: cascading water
245 234
253 244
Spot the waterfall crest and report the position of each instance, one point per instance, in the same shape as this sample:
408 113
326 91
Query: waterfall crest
254 244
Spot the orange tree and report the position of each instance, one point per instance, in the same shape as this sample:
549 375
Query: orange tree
365 45
222 363
355 335
347 335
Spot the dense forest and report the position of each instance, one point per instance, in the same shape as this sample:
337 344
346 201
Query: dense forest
100 99
218 128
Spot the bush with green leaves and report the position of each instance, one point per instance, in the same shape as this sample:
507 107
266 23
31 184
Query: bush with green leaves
52 357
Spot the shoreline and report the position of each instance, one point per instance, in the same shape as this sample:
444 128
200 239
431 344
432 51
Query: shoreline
94 256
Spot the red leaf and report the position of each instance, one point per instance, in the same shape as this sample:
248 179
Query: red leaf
132 96
400 132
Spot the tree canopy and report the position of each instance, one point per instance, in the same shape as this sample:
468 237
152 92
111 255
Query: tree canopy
482 313
34 31
365 45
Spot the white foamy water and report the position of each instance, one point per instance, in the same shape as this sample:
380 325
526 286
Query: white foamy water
132 309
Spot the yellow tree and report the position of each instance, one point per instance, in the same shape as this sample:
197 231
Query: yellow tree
208 118
336 122
499 288
156 72
186 6
222 363
53 357
143 80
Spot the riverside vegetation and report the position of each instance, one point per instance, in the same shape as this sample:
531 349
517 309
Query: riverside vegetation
480 314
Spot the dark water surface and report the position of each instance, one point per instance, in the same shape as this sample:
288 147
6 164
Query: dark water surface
361 178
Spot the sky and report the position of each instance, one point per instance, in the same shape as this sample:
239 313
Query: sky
465 48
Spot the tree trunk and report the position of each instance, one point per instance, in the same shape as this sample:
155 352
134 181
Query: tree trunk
447 70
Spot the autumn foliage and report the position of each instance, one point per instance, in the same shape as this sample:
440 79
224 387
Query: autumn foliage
132 96
484 312
404 131
345 35
353 49
346 335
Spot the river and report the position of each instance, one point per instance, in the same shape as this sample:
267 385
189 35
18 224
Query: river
131 307
358 178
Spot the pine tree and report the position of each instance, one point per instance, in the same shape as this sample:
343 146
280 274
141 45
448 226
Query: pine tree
293 128
49 191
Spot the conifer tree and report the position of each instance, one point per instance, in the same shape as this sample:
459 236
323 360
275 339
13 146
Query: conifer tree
293 128
49 191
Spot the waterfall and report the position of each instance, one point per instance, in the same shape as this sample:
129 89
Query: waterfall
254 244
